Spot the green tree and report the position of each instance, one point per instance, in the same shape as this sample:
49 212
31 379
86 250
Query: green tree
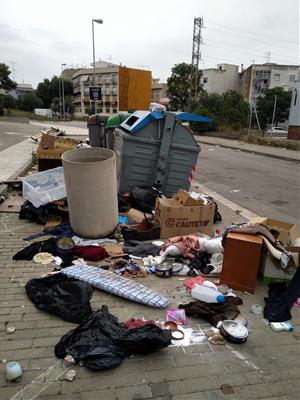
265 106
9 101
227 109
69 107
1 104
29 101
5 82
49 89
179 84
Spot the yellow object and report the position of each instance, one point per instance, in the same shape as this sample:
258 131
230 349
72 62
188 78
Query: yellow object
43 258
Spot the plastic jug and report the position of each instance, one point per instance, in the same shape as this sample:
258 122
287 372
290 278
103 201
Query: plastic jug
207 294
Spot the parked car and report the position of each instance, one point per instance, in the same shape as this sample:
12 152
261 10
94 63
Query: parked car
277 129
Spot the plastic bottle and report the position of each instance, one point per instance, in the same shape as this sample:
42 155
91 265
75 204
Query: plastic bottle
207 294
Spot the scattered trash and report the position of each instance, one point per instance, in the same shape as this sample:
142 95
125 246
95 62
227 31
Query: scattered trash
234 191
256 309
10 329
69 360
214 337
227 389
13 371
282 326
70 375
43 258
176 315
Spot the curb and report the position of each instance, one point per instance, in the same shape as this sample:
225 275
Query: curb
260 153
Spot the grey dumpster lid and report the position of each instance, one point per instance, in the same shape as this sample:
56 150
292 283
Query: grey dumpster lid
139 119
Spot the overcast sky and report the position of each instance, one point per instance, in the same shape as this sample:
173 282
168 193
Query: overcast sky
156 34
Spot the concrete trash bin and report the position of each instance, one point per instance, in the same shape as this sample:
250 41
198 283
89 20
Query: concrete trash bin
91 186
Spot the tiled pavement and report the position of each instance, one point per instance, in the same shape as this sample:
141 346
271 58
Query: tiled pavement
265 367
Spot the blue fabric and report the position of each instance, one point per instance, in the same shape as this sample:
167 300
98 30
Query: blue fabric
112 283
186 116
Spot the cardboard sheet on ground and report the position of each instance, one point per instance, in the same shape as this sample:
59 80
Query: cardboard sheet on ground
115 284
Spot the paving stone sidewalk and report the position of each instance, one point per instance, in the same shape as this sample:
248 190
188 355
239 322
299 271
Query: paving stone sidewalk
265 367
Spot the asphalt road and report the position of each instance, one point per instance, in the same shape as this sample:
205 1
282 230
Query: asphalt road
266 186
13 132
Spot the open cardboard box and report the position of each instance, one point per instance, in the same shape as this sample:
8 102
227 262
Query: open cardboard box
287 232
183 215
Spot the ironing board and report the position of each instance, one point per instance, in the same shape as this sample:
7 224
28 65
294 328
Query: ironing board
113 283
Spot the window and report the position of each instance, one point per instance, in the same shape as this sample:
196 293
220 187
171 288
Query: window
115 111
292 78
277 77
205 80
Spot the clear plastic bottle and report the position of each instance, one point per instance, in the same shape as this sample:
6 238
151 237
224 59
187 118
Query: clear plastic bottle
207 294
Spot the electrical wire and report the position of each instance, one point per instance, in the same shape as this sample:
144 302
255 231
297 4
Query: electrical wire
245 52
253 33
244 37
249 48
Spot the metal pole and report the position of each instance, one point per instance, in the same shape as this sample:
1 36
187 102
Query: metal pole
63 92
274 110
257 120
250 117
94 63
59 95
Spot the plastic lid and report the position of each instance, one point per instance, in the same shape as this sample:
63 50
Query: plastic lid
220 298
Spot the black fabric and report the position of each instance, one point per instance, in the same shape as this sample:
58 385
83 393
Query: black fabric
201 262
140 249
30 251
32 213
102 343
143 198
63 296
281 298
213 312
48 246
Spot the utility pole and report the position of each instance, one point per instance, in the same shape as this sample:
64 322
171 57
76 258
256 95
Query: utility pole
63 90
274 110
196 56
13 67
59 95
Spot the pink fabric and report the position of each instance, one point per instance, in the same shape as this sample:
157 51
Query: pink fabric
133 323
187 245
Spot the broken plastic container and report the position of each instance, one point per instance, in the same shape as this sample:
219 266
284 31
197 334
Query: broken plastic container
44 187
207 294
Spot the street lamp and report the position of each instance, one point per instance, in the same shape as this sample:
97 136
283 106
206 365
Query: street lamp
63 90
98 21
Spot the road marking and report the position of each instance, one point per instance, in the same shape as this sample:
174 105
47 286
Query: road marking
14 133
228 203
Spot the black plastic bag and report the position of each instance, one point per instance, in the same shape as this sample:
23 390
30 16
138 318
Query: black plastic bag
102 343
143 198
65 297
32 213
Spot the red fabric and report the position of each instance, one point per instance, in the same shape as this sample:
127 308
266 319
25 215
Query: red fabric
91 253
132 323
187 245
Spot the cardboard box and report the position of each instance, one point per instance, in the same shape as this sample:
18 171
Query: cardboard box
183 215
287 232
271 271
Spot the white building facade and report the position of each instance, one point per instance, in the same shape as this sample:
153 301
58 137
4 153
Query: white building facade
219 80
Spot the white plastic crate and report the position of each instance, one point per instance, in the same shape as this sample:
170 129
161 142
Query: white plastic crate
44 187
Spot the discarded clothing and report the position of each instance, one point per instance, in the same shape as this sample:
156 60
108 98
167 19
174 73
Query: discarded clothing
202 262
281 298
91 253
102 343
61 230
65 297
143 198
213 312
129 269
88 242
187 245
112 283
47 246
140 249
133 323
32 213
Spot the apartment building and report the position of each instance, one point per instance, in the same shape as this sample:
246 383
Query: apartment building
219 80
122 88
258 77
159 91
21 88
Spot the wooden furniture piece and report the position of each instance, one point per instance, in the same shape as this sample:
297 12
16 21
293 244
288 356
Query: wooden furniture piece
241 261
